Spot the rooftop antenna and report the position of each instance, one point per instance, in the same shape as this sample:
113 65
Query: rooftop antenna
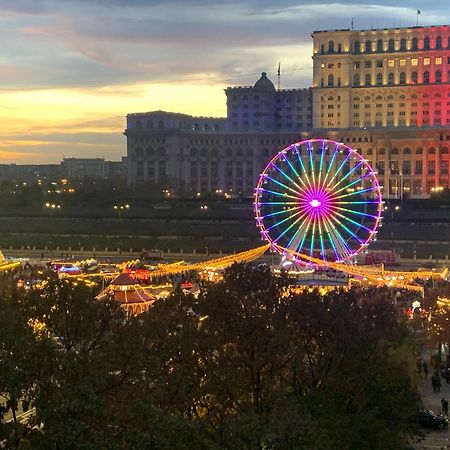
352 24
417 17
279 75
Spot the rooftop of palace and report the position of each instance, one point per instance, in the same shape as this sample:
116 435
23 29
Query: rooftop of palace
374 30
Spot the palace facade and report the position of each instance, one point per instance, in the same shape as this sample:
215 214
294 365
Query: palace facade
385 92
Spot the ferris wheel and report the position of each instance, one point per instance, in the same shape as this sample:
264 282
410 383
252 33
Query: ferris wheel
318 199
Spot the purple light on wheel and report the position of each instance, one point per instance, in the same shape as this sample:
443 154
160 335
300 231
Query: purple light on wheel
320 199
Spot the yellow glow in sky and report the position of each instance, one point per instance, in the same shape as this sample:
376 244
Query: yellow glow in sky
43 125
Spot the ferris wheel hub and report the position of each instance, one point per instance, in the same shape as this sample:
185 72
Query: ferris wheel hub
315 203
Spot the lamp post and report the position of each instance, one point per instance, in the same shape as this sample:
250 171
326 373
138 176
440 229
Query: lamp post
120 209
52 207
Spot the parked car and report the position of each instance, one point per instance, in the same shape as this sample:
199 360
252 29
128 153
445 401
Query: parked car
429 419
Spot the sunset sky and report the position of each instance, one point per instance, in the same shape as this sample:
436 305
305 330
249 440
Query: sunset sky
70 70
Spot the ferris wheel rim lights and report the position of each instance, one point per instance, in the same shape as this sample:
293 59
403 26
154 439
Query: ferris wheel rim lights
319 200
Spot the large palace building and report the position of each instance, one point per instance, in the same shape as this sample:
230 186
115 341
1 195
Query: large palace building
385 92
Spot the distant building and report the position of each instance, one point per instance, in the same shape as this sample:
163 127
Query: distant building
29 172
263 108
385 92
93 168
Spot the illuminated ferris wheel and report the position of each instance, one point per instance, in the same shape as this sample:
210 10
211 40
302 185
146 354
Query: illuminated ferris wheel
318 199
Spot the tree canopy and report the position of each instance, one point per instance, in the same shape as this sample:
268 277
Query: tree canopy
249 364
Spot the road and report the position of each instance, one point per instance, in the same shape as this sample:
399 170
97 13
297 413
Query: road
435 439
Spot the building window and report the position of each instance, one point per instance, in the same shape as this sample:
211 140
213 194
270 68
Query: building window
379 63
431 167
414 77
414 62
415 44
418 169
380 45
406 167
391 45
426 61
331 80
426 77
331 47
356 80
402 78
379 79
402 62
391 63
367 80
426 43
438 76
438 42
390 78
438 60
322 49
368 64
368 46
403 44
357 47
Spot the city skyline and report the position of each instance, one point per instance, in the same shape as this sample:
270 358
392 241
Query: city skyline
71 71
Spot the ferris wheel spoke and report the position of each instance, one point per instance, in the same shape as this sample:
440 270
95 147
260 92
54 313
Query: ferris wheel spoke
358 224
285 175
372 188
347 186
358 213
281 184
331 240
291 217
280 194
289 228
296 173
337 171
297 232
283 211
322 246
313 235
276 203
330 164
322 153
350 232
362 202
302 165
344 250
347 175
311 164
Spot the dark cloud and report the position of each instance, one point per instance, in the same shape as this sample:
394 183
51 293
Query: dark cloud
98 42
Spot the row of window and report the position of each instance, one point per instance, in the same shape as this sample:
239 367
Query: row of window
379 46
389 80
438 61
394 167
302 99
187 126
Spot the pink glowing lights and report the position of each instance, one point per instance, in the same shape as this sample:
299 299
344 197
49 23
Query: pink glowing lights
318 198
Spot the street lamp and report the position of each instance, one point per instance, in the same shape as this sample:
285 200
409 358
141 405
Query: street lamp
52 207
120 209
